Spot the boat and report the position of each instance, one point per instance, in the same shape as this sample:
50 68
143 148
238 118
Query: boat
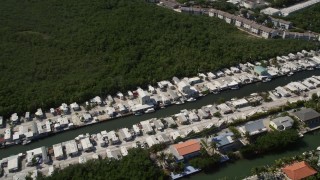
290 74
150 110
266 80
318 148
191 99
310 68
25 142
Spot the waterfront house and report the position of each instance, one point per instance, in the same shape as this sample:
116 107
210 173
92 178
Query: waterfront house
86 117
193 117
147 128
261 71
224 108
186 150
240 103
38 152
298 170
114 139
136 130
283 92
58 151
39 114
71 148
125 134
309 116
253 128
170 121
13 163
203 114
226 142
97 100
86 144
182 119
144 97
282 123
158 124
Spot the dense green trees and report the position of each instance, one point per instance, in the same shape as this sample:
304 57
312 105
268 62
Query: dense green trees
58 51
273 141
308 18
136 165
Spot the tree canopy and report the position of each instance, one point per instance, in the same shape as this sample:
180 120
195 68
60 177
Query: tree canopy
136 165
307 19
58 51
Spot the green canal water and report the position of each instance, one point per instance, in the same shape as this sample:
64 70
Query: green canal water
242 168
129 121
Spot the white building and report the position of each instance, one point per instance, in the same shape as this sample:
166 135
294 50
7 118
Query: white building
113 137
71 148
240 103
184 88
152 140
39 113
14 118
75 106
126 134
58 151
123 151
86 144
13 163
144 97
136 130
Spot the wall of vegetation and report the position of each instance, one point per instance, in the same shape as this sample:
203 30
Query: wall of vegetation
136 165
58 51
307 19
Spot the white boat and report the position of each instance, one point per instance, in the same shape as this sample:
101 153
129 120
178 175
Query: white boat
266 80
191 99
25 142
150 110
138 113
318 148
290 73
310 68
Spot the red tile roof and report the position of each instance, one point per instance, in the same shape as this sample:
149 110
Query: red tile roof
298 170
187 147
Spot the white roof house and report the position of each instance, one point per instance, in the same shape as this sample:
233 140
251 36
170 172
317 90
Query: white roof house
71 148
184 87
152 140
115 153
97 100
7 135
224 108
13 163
182 119
38 152
123 151
113 137
64 108
174 135
14 118
126 134
253 127
270 11
86 144
282 123
147 128
144 97
63 121
75 106
58 151
86 117
136 129
120 95
39 113
194 80
240 103
193 116
158 124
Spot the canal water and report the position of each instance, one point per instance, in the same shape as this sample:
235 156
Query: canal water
242 168
130 120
